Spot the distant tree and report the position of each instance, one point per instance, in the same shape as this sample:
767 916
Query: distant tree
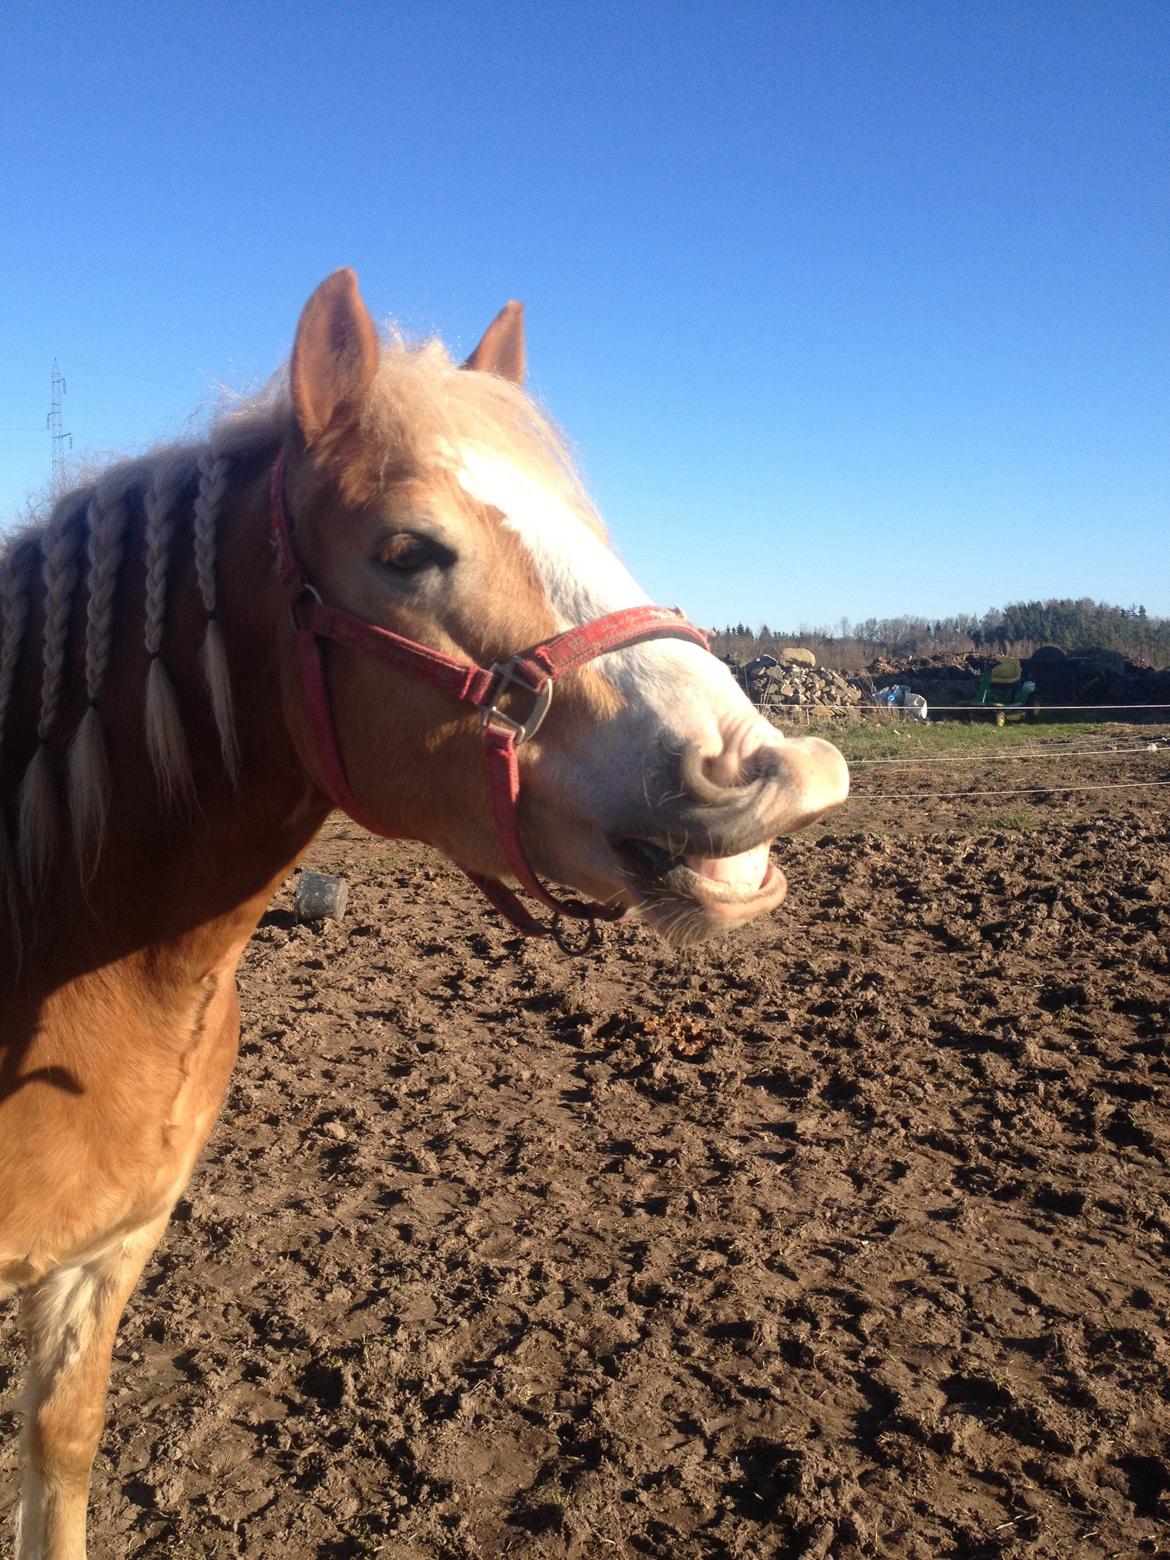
1072 624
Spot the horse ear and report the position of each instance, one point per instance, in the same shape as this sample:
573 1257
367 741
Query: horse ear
335 355
502 349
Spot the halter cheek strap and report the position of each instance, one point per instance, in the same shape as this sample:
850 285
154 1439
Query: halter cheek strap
533 670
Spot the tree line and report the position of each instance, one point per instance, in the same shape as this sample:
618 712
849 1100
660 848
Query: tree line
1016 629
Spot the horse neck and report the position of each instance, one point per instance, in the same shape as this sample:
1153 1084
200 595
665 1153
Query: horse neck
182 880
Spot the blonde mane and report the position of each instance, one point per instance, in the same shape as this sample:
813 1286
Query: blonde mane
420 403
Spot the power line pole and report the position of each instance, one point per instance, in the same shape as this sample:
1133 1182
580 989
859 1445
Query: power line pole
59 440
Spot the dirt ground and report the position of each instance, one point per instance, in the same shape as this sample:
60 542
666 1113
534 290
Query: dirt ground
847 1236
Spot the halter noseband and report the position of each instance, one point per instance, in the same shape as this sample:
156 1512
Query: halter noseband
533 670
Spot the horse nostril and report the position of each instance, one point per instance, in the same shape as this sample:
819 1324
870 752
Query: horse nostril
703 779
783 785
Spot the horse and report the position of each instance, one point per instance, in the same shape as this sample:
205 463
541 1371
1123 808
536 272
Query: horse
360 590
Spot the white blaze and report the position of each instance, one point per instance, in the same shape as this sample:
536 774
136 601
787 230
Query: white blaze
687 689
581 576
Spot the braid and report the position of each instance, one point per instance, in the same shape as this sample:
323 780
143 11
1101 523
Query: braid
14 582
15 577
213 475
60 547
89 768
159 505
165 741
38 821
107 531
213 478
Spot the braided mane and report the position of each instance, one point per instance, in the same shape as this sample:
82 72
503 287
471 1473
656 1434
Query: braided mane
419 405
82 547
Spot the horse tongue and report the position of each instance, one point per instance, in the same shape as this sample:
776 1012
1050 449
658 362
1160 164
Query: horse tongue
745 872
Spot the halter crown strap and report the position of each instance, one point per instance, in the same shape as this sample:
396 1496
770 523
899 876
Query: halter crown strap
534 669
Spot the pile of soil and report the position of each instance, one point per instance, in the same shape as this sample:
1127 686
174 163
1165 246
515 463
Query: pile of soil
947 682
846 1236
944 664
1089 679
1098 677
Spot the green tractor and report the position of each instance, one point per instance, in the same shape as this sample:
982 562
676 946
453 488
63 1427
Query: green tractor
1006 693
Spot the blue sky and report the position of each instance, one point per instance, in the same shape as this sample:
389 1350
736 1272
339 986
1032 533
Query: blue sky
850 307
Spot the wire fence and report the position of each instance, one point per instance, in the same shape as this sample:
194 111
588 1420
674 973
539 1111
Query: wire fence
1018 755
1022 790
1132 748
1042 709
779 709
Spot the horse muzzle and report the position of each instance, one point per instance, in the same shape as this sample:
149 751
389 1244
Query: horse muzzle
709 845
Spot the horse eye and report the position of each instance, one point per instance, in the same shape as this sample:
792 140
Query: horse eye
407 552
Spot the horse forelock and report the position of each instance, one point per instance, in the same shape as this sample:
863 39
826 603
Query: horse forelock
422 408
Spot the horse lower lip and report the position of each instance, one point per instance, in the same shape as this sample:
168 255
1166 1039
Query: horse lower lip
658 867
711 891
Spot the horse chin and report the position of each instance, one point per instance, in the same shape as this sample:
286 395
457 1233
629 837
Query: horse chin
689 899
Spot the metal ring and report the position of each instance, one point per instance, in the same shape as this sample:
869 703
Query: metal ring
590 940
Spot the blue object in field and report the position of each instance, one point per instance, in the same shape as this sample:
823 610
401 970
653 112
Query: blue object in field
899 697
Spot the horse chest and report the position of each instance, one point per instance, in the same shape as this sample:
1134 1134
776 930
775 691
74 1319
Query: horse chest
110 1103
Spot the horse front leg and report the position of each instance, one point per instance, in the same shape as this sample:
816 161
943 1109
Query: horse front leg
70 1320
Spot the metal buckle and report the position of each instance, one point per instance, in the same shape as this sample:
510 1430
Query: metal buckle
491 714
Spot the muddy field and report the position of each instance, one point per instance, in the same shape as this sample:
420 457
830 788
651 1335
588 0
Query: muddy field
848 1236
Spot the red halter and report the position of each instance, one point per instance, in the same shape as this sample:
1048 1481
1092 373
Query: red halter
533 670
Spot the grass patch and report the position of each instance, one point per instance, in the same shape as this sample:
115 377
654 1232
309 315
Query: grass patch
1017 819
905 739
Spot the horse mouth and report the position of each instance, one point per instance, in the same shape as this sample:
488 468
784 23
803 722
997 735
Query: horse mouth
726 889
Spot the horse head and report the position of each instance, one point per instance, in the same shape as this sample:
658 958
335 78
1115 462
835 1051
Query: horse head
435 503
